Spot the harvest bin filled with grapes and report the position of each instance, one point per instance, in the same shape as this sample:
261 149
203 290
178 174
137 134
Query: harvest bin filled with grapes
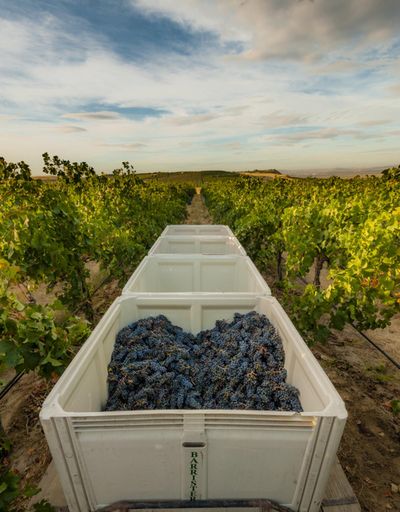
194 385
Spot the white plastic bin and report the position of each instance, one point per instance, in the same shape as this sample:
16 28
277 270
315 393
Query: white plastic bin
188 274
206 245
196 230
103 457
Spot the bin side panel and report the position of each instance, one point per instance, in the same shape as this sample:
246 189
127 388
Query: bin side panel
128 463
173 277
217 277
177 246
258 463
157 463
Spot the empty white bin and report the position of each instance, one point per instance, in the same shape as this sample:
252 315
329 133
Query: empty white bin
196 230
103 457
206 245
188 274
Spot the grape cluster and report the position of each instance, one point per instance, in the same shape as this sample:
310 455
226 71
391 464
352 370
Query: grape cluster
235 365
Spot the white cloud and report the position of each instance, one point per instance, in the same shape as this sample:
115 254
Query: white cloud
286 28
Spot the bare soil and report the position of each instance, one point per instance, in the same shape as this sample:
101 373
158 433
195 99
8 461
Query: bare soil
19 412
196 212
370 447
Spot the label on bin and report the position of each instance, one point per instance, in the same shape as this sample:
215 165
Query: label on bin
194 477
194 473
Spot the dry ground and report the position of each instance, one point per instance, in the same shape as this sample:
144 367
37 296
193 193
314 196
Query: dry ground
197 212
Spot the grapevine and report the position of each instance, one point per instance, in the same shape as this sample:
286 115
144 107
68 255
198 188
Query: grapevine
294 227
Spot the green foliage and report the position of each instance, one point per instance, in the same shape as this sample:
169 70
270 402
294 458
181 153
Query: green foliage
32 337
10 482
43 506
70 172
395 406
352 227
9 170
380 373
392 174
41 230
9 489
126 170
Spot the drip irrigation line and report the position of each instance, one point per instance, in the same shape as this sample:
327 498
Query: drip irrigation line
367 338
393 361
10 385
103 282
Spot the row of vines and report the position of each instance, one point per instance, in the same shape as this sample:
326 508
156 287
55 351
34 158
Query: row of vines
51 234
298 227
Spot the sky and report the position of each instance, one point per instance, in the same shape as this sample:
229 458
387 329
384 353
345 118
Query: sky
201 84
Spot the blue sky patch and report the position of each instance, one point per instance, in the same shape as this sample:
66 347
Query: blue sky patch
126 31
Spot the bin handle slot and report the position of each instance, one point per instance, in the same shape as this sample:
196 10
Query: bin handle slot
188 444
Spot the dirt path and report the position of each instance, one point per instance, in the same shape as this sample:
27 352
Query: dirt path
197 212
